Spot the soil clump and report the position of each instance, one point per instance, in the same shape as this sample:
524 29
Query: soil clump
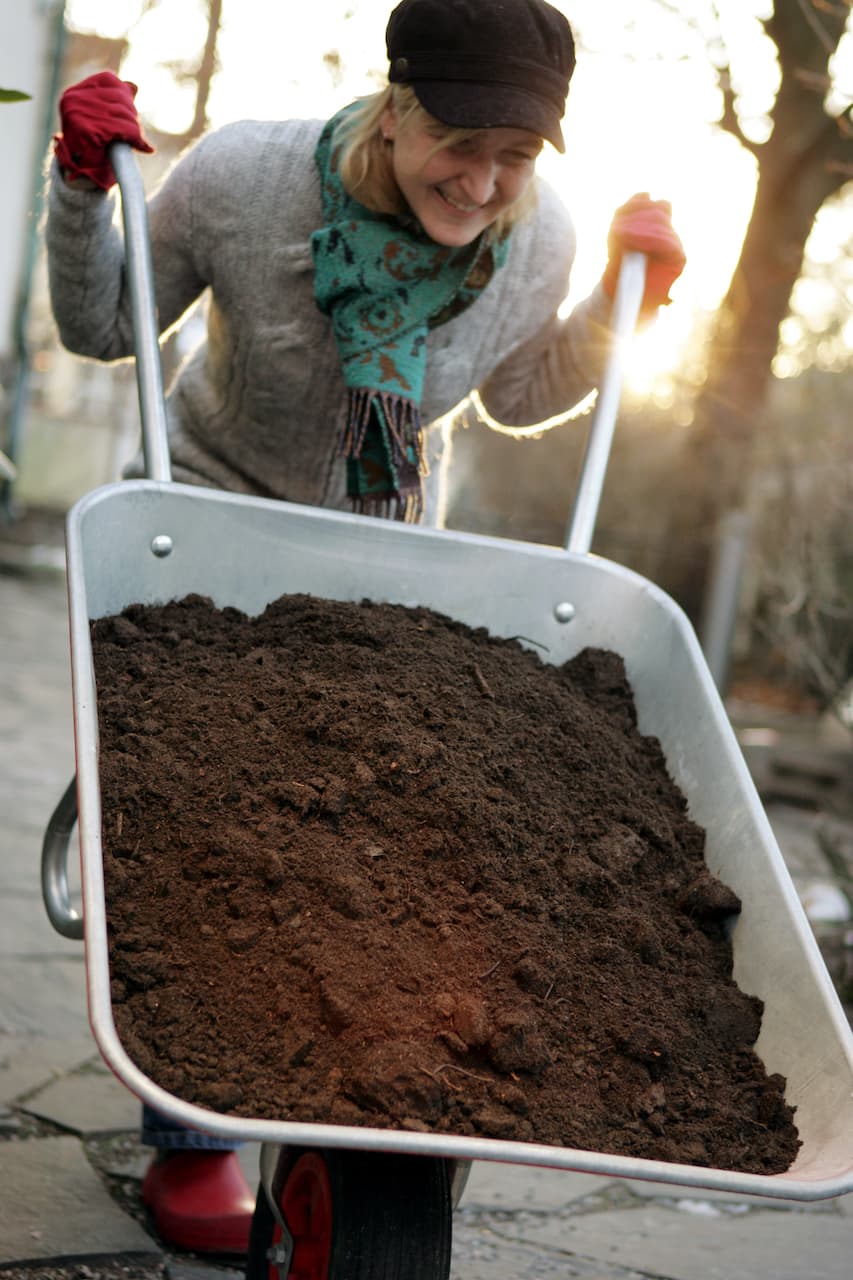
366 865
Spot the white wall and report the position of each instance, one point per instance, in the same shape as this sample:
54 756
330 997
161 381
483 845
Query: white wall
27 32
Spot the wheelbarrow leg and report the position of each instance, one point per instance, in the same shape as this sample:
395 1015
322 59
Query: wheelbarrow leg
353 1215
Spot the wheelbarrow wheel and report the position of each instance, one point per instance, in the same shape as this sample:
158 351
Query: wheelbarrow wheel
355 1215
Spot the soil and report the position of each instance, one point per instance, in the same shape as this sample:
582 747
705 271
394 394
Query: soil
367 866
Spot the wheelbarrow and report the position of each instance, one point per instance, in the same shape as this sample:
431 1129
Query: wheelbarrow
345 1202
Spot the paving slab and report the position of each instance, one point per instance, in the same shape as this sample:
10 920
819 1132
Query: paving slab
38 764
129 1163
679 1245
796 833
844 1205
88 1103
836 840
43 995
55 1207
481 1251
29 935
31 1061
510 1187
10 1122
37 792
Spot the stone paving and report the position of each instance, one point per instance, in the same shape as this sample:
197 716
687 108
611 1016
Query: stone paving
70 1163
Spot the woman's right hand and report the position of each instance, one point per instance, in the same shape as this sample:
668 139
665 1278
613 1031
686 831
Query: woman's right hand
97 111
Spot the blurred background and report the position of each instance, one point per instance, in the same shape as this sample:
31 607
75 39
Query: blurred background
731 480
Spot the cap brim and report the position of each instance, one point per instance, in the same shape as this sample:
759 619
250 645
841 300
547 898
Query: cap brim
464 105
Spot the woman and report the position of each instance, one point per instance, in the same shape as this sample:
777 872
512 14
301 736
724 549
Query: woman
364 276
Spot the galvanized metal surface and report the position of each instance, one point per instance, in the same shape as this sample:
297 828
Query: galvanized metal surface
626 310
245 552
140 277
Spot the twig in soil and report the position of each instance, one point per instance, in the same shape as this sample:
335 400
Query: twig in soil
445 1084
482 682
527 640
433 1075
451 1066
488 973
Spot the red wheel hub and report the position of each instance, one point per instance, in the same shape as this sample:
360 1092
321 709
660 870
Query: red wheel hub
306 1204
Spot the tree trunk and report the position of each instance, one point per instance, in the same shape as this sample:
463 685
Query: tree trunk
206 69
806 159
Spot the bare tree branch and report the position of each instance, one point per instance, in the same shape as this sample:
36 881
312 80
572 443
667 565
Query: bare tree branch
802 40
729 119
838 10
206 68
807 8
839 148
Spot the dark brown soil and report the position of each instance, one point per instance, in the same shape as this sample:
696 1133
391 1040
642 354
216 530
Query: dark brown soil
367 866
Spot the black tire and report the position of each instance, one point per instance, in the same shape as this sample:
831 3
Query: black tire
390 1217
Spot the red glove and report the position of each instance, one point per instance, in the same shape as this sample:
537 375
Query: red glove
94 113
645 226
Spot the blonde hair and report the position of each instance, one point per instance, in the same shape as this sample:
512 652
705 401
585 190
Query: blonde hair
364 160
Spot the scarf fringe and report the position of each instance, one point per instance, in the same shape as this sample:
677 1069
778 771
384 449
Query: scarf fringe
405 507
402 419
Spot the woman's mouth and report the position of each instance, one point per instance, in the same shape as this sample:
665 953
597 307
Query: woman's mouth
459 205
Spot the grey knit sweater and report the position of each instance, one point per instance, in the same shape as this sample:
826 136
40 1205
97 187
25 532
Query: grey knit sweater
255 408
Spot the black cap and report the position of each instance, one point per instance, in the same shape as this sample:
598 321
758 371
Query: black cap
480 64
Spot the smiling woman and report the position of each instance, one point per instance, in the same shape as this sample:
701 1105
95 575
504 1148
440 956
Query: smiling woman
458 182
459 186
620 125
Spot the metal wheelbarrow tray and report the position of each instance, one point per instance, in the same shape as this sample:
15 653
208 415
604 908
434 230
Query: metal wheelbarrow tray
152 541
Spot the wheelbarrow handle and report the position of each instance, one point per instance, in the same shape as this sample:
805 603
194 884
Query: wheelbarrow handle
155 444
140 275
626 310
54 866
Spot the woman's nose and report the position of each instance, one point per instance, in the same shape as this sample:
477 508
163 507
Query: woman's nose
478 181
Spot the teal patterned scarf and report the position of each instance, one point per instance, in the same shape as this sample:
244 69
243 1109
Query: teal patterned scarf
385 284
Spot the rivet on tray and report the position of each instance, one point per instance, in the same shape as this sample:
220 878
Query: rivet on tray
564 612
162 545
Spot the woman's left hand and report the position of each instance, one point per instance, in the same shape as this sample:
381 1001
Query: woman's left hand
97 111
643 225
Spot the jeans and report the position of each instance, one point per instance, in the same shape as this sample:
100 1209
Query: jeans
157 1131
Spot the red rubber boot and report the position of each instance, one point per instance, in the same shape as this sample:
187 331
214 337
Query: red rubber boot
200 1200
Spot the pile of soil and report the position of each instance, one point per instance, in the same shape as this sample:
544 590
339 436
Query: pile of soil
366 865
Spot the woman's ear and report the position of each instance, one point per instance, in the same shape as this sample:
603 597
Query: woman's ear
388 123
